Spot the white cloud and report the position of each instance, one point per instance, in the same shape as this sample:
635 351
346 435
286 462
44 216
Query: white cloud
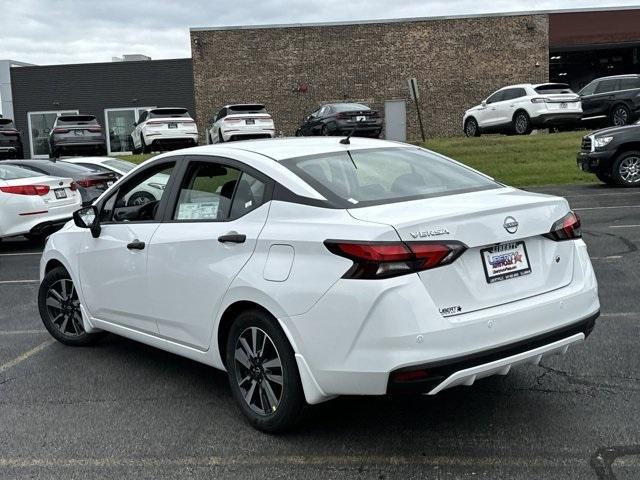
76 31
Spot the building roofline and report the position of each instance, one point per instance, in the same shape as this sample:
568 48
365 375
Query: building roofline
417 19
146 62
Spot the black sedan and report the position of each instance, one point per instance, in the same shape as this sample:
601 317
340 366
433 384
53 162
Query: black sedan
76 134
342 119
91 183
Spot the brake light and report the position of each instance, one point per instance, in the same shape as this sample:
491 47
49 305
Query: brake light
40 190
567 228
9 133
61 130
539 100
231 120
154 123
95 129
90 182
373 260
343 115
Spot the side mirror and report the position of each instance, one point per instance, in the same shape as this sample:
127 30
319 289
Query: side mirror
484 103
87 217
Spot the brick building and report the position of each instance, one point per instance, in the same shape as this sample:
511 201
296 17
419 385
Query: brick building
294 68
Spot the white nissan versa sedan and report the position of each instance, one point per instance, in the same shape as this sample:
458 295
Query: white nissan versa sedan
313 267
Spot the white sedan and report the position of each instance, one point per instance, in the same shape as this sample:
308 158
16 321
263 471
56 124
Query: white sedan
315 267
148 191
33 204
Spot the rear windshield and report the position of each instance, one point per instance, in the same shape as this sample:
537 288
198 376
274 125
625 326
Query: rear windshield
77 120
6 123
348 107
168 112
11 172
121 165
552 88
247 108
386 175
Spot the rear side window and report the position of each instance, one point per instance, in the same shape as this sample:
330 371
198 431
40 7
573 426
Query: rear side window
215 192
386 175
121 165
607 86
348 107
553 88
11 172
513 93
168 112
629 83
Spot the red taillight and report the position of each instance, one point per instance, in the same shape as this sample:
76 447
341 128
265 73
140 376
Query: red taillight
61 130
343 115
390 259
231 119
155 123
73 186
40 190
9 133
410 375
90 182
95 129
567 228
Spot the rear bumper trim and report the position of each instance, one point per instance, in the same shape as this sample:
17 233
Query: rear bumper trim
466 369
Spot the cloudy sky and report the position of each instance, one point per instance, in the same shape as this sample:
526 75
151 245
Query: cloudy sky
75 31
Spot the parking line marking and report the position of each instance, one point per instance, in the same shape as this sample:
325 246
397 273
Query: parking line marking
610 257
621 314
601 194
299 460
19 254
624 226
7 333
17 281
606 208
22 357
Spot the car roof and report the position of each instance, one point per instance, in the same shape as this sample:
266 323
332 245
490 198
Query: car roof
244 105
627 75
279 149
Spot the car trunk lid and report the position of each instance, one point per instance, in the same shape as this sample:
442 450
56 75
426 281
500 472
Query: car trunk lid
482 220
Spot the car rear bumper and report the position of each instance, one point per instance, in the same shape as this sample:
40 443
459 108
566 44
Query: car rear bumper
401 329
556 119
42 223
247 133
594 162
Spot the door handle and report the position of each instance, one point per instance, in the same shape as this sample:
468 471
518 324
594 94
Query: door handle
136 245
232 238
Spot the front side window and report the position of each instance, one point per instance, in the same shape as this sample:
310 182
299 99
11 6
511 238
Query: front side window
589 89
215 192
386 175
138 199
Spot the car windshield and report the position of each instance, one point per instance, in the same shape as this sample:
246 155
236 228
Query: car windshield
247 109
11 172
348 107
121 165
168 112
6 123
386 175
77 120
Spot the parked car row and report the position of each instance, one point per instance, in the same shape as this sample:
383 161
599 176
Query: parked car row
518 109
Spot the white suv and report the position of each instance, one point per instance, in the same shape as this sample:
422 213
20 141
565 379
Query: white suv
521 108
164 129
240 122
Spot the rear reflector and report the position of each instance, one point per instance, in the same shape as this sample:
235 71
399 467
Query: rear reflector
567 228
373 260
33 213
409 376
73 186
40 190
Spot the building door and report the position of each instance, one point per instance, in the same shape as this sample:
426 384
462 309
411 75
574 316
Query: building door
395 120
119 123
40 125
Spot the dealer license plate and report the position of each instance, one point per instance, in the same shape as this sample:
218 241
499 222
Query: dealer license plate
563 105
504 261
60 193
172 125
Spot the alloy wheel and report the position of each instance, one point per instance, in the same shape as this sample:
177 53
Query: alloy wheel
471 128
629 169
521 124
258 370
620 117
63 307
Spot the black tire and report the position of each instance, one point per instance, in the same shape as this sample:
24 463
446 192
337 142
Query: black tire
220 137
521 123
606 178
626 169
144 147
209 139
324 131
298 132
284 401
140 198
620 115
471 128
66 326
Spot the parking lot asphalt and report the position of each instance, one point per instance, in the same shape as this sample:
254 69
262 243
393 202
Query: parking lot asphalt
125 410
